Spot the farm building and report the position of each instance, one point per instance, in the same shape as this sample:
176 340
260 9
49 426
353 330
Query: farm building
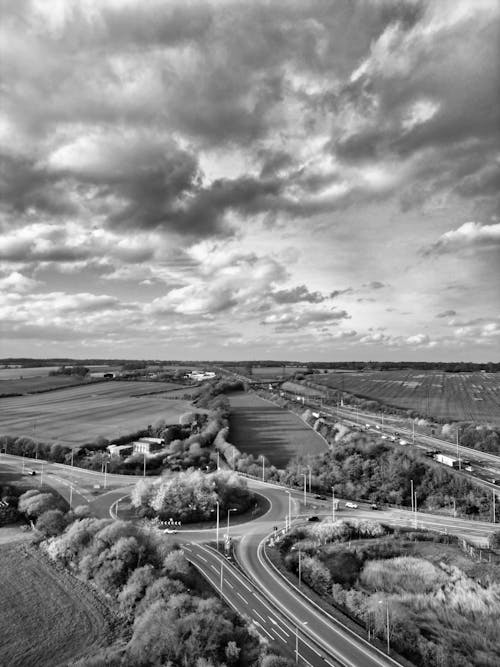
103 374
148 445
120 450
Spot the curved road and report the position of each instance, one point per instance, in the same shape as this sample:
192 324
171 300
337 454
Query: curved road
279 612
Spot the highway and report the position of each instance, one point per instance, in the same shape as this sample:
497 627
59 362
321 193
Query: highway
280 613
245 597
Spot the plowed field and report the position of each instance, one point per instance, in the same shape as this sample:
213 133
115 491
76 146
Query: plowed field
260 428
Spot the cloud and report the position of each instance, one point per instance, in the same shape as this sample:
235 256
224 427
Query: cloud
470 235
375 285
17 282
297 294
446 313
289 320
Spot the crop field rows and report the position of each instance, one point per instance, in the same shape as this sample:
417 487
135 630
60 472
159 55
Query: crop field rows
455 396
80 414
47 618
260 428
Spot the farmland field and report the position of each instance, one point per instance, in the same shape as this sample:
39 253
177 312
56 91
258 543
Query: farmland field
80 414
16 373
265 372
455 396
260 428
47 617
36 383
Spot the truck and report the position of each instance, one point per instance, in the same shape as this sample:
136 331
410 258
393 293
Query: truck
447 460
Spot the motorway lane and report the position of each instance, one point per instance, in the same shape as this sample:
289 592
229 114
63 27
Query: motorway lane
244 597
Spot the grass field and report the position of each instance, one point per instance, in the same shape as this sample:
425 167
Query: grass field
260 428
47 616
455 396
80 414
33 384
16 373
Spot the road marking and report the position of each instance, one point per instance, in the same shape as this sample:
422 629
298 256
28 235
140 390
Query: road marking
215 568
262 617
263 628
283 639
241 596
229 584
202 558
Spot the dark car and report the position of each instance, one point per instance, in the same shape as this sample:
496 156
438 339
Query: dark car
374 506
313 518
320 497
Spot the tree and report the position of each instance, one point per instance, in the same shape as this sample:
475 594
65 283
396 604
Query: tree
51 523
494 540
34 505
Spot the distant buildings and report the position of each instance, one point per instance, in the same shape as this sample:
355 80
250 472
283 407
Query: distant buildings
198 376
120 450
147 445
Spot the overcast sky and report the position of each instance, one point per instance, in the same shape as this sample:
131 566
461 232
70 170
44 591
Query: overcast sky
311 180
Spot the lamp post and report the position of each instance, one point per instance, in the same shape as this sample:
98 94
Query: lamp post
300 568
333 504
263 468
289 509
387 630
305 490
217 528
231 509
297 641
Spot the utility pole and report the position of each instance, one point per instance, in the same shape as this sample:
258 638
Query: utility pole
411 486
217 528
333 505
494 502
305 490
263 469
416 524
300 568
388 631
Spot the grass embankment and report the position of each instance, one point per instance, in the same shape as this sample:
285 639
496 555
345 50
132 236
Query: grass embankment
443 606
48 617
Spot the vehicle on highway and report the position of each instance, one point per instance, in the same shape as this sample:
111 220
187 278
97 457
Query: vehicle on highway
374 506
31 472
351 506
313 518
320 497
170 531
396 433
468 468
403 442
383 437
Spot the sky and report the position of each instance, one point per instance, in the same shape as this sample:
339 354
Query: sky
301 180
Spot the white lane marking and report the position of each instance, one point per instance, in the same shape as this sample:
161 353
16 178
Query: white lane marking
202 558
283 639
261 617
215 568
229 583
263 628
241 596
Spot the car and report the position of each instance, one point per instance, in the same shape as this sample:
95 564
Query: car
31 472
396 433
403 442
374 506
393 438
383 437
170 531
313 518
320 497
351 506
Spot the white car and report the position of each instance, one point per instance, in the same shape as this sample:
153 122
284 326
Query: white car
383 437
403 442
170 531
351 506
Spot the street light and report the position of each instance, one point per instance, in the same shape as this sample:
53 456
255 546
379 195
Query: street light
231 509
333 504
263 467
289 509
305 489
297 641
387 624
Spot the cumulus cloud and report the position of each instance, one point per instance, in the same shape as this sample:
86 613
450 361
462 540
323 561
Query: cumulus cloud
446 313
17 282
297 294
470 235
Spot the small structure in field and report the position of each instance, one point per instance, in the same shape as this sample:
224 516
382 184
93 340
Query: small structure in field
148 445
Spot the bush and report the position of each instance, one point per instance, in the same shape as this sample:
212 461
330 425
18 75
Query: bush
51 523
